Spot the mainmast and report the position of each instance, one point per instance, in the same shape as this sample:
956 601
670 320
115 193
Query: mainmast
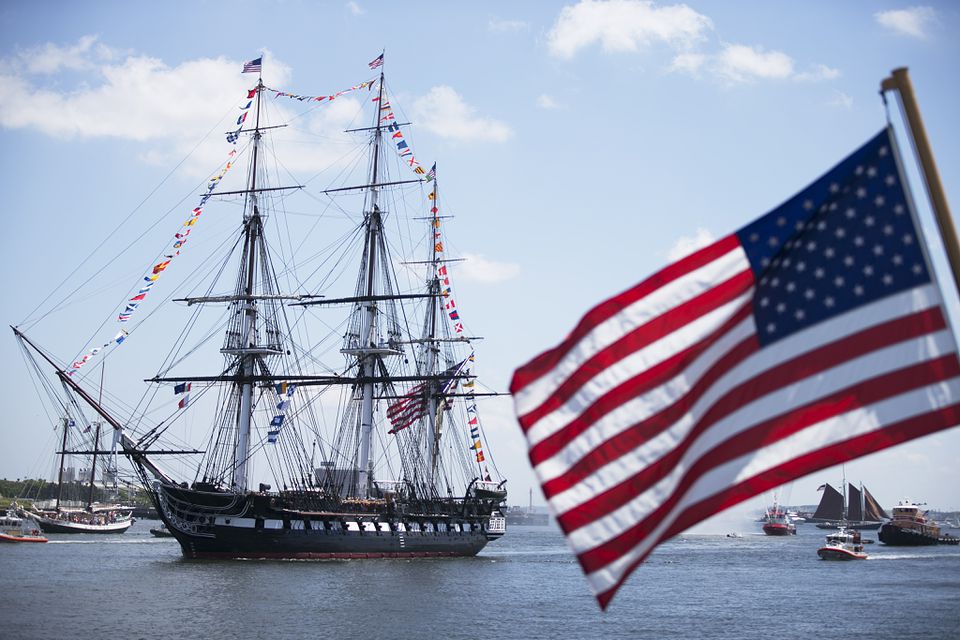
433 419
248 349
368 327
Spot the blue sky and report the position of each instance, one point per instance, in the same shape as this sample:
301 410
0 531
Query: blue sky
581 146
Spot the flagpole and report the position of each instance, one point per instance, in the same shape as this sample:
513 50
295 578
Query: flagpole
899 81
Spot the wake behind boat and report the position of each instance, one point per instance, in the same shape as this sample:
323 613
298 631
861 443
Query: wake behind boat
403 471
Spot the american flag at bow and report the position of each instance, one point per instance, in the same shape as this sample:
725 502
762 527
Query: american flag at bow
811 336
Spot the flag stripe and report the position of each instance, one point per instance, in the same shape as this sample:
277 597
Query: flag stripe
809 444
683 315
629 394
856 397
843 354
616 306
871 442
717 362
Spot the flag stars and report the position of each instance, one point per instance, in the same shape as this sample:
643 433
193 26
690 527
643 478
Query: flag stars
917 269
907 239
858 241
834 187
791 287
764 301
781 221
869 221
839 281
878 250
829 252
890 180
899 209
882 151
819 273
861 193
799 314
781 308
801 266
754 237
774 241
829 302
868 270
879 201
771 328
808 205
871 172
848 261
840 232
809 294
897 259
887 279
850 213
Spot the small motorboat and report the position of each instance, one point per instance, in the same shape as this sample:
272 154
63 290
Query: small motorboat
842 545
12 530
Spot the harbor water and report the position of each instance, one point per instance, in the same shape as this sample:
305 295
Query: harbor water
526 585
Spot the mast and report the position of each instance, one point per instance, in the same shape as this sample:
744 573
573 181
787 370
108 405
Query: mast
368 346
96 445
248 330
433 435
63 453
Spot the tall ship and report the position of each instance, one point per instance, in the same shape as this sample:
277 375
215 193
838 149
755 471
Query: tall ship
909 527
342 409
859 510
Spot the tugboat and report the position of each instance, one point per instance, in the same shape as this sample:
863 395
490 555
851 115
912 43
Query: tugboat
842 545
909 527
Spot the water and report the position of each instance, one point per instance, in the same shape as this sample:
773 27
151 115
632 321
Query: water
525 585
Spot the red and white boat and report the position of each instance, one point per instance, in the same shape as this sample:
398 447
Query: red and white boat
842 545
11 530
776 522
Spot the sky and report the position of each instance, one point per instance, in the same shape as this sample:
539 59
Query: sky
582 145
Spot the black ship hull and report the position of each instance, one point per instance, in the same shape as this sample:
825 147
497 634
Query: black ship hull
257 526
858 526
896 536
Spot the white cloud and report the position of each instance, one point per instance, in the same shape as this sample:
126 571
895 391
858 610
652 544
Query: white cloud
842 100
355 9
911 22
497 25
168 109
742 63
625 26
51 58
818 73
690 63
479 269
685 245
547 102
444 112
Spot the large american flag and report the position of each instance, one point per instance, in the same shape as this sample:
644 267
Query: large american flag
811 336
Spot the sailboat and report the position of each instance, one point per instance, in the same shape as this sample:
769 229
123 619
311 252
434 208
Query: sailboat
91 516
394 467
861 511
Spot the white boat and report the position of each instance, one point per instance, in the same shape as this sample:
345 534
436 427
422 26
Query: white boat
842 545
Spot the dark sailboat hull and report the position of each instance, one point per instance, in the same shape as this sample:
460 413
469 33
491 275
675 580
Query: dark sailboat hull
51 525
257 526
896 536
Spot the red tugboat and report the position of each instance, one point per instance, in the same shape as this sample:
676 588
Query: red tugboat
776 522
